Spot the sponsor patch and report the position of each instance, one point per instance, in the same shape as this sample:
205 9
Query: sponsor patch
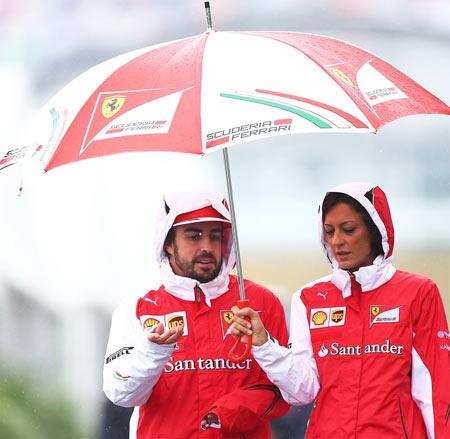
177 320
446 337
173 320
155 302
323 352
323 294
319 317
120 377
201 363
227 316
443 334
226 319
337 317
119 353
148 321
327 317
384 314
338 349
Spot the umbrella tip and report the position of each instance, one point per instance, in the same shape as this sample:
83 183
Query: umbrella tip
208 17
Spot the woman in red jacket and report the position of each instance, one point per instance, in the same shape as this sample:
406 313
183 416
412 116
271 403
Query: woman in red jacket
369 343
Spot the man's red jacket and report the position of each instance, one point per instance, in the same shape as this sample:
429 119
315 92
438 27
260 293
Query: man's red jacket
175 388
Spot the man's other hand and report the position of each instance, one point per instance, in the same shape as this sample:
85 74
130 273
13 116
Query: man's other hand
159 335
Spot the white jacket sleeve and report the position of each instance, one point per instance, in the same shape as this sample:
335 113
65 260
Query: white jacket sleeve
133 364
293 370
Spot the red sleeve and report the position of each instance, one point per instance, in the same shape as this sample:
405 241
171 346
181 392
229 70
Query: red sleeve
244 409
431 362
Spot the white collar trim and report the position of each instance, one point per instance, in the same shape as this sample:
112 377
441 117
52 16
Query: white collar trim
370 277
184 287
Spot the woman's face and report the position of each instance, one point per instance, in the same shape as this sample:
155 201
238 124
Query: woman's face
348 237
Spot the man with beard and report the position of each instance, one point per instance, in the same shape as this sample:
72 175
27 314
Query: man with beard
167 354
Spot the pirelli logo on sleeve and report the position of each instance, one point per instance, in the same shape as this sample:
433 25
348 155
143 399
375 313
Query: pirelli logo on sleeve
119 353
327 317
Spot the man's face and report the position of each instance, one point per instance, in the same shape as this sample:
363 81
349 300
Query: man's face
196 250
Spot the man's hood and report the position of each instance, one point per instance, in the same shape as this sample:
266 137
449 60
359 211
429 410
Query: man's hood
182 202
374 201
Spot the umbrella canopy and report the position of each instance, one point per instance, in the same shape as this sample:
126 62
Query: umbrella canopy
217 89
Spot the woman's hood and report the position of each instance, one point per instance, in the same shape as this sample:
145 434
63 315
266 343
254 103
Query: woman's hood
178 203
374 201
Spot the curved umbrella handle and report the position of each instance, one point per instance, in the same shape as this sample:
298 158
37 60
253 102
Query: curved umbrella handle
233 355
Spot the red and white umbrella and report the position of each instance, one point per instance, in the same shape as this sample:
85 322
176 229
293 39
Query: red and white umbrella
218 89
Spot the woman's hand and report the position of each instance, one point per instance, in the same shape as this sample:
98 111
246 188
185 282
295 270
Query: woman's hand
253 326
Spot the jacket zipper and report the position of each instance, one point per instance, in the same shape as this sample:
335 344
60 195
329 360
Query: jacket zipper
198 294
402 419
356 297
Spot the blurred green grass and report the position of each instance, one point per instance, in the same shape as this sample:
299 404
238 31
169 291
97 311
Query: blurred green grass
35 412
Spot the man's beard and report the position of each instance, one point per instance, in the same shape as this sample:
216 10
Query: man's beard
188 267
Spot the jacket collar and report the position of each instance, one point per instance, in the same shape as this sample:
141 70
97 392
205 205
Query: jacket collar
370 277
184 287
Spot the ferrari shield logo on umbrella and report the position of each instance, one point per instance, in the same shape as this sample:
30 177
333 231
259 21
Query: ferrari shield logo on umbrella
135 113
112 105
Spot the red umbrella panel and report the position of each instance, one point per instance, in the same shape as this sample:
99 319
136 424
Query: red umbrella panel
223 88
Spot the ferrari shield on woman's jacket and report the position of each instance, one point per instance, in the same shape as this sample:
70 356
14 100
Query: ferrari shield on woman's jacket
378 341
174 386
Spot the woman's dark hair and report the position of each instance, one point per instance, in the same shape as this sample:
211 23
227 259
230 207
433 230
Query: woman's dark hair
333 198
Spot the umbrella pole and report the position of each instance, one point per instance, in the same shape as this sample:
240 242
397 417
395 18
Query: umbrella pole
234 356
234 224
208 17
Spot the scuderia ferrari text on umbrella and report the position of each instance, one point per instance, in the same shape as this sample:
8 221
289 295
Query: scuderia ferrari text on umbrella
244 131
